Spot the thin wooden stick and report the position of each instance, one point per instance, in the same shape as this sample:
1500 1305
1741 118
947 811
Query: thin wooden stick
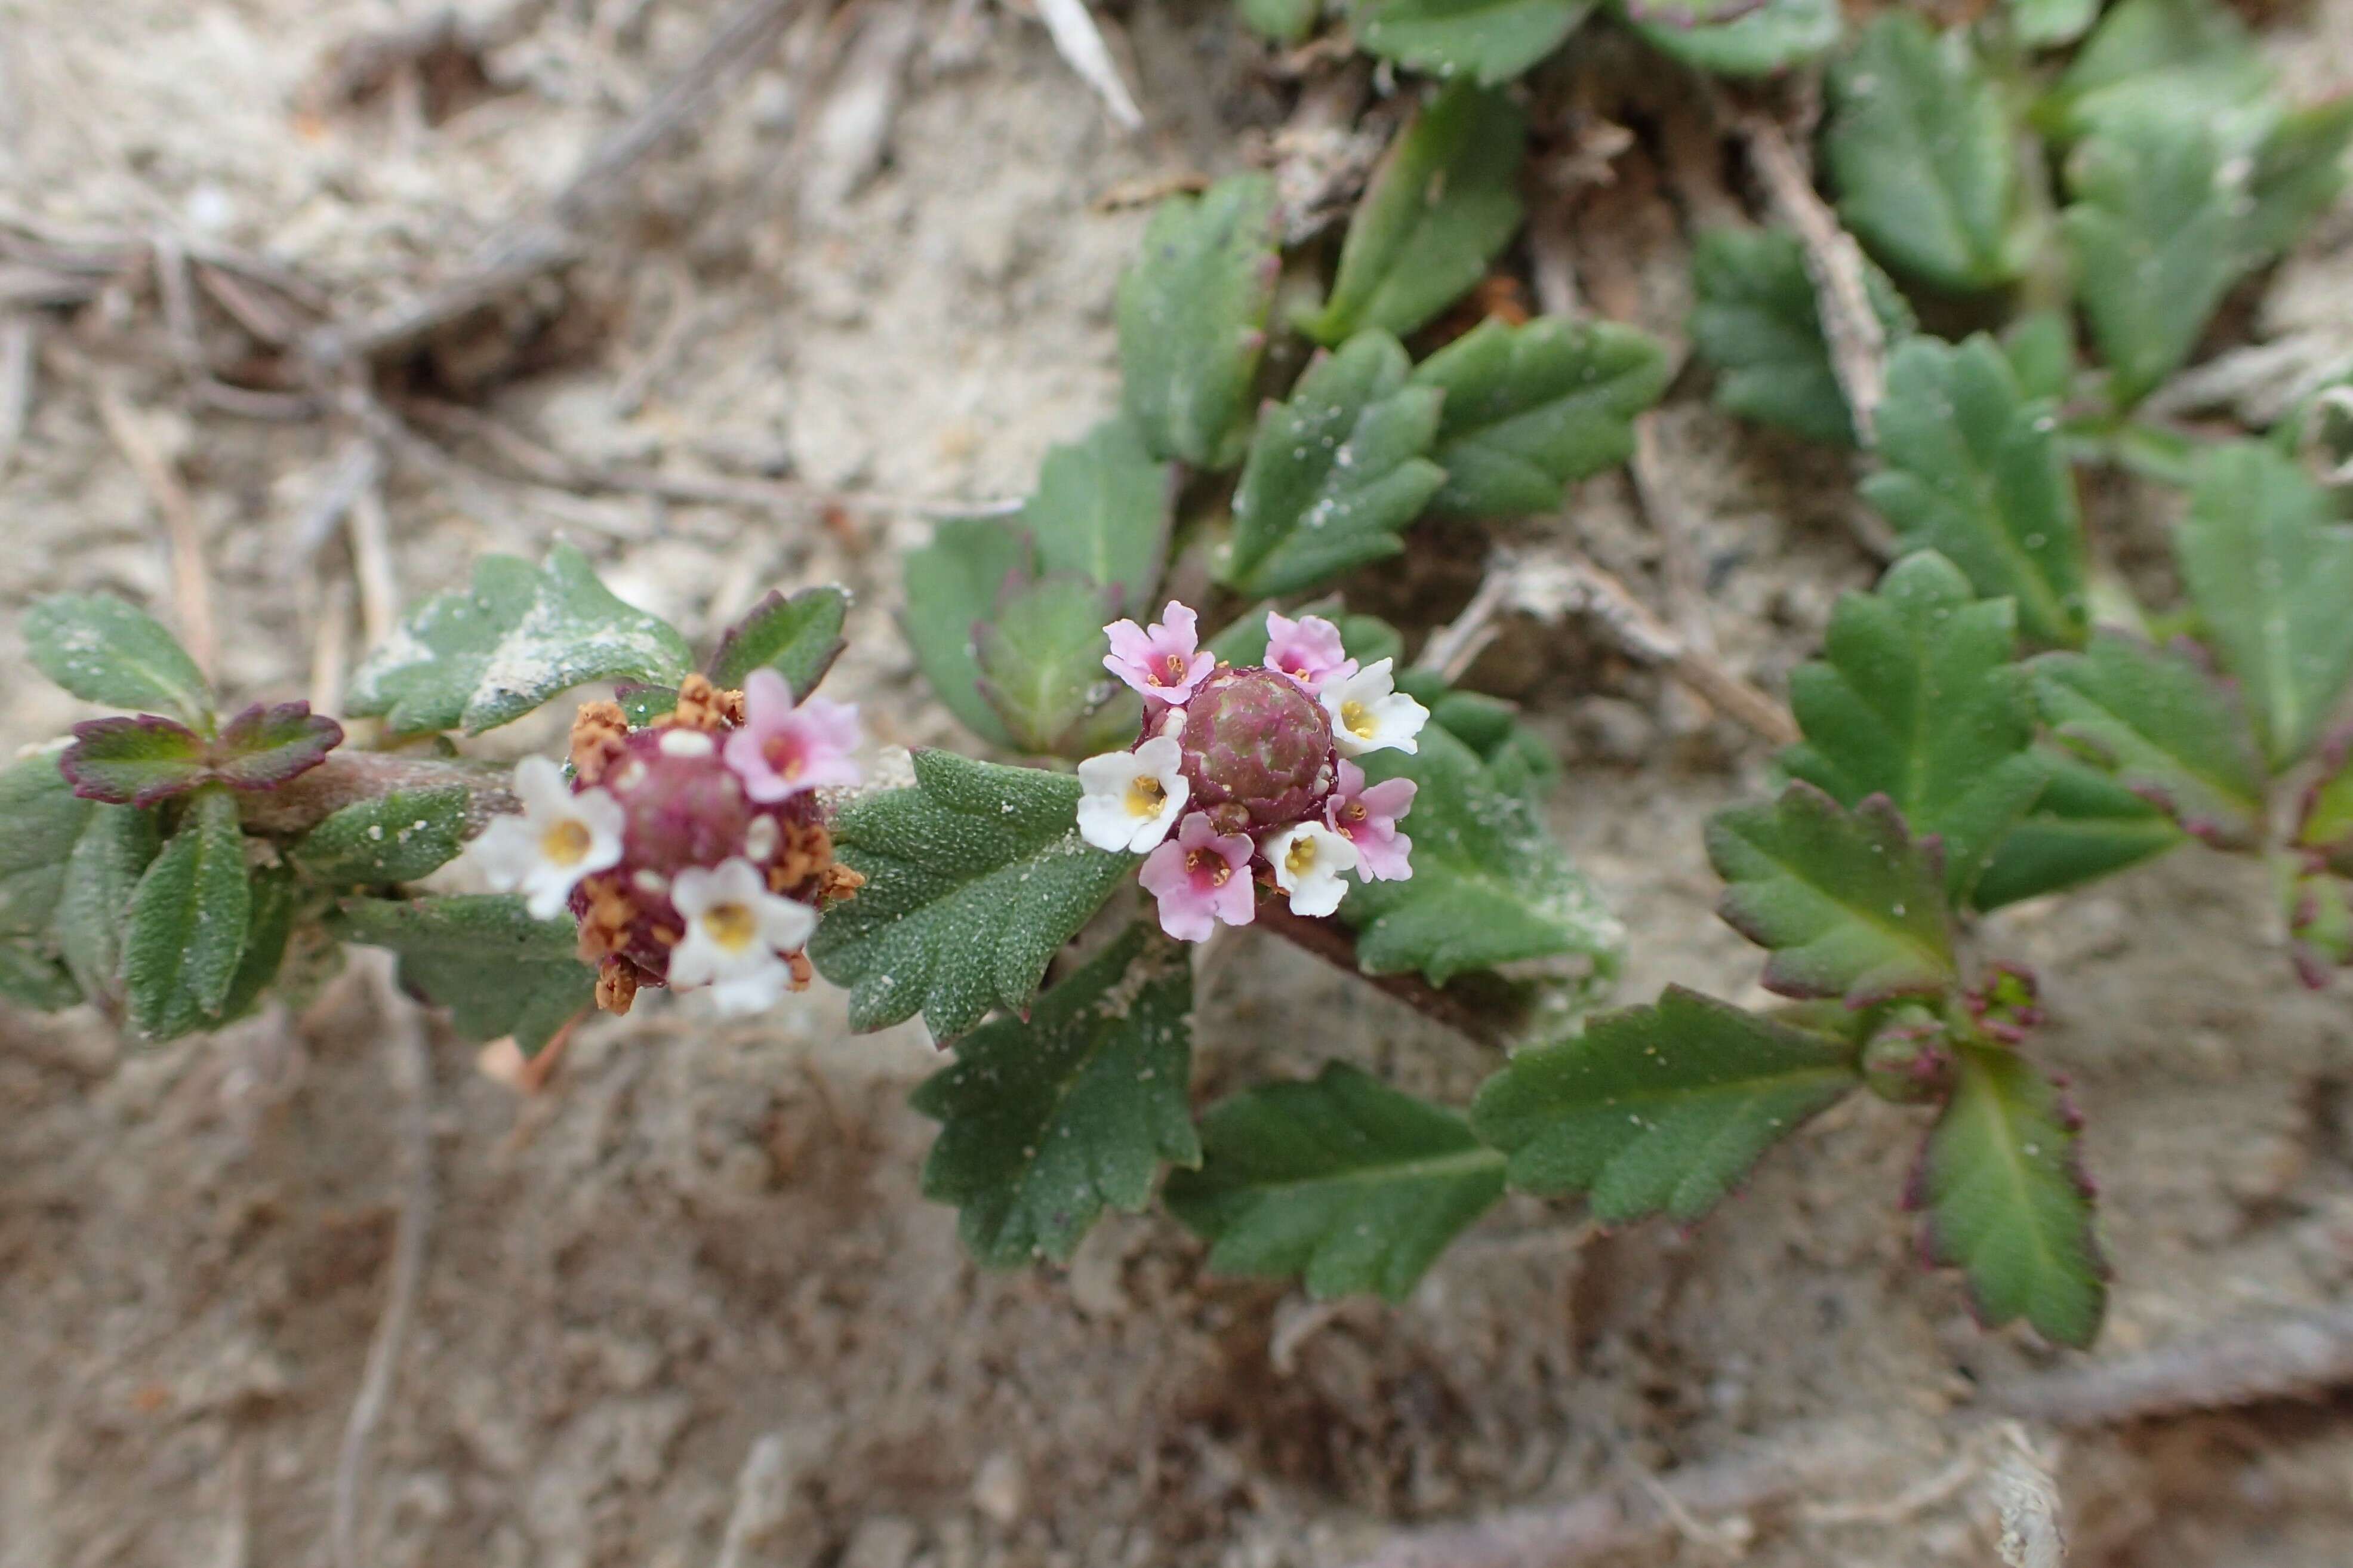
192 593
2297 1356
1858 344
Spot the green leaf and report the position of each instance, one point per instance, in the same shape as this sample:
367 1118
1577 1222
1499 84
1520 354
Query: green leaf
974 879
799 637
1489 887
31 979
1847 903
1444 200
40 821
499 972
1919 150
1531 409
641 705
2040 348
2156 241
1283 21
2298 174
1041 667
1046 1121
1102 513
487 656
266 745
1493 40
397 838
93 910
188 921
1343 1179
135 762
2270 569
2190 59
2324 817
1659 1110
103 650
2163 727
1917 699
2047 24
2006 1202
953 587
1975 472
1758 322
1192 321
1336 472
1738 37
2084 826
275 903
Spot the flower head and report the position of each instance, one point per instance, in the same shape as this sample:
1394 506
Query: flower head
1166 662
1132 798
1307 649
738 934
1308 859
1367 819
1201 877
783 750
560 838
1369 714
1258 751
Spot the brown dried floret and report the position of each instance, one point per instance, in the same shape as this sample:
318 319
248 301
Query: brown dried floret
598 733
616 985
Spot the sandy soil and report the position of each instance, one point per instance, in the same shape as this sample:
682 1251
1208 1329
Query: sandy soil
687 1305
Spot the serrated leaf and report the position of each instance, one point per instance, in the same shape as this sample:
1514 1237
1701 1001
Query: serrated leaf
2047 24
1847 902
1344 1181
93 910
1975 472
1282 21
1758 322
798 636
1738 37
1492 40
267 744
2193 58
188 921
1489 887
2040 349
1917 699
953 587
397 838
267 929
1041 653
1046 1122
2163 727
2156 242
1659 1110
2006 1203
499 972
103 650
1336 472
2084 826
1919 150
41 822
2299 172
1444 200
486 655
1531 409
135 762
1102 513
1517 759
2270 568
974 879
1192 321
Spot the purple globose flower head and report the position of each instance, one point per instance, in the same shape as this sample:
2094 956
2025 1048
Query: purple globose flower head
1257 749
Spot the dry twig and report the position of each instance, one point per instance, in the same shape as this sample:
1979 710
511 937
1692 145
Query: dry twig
1337 948
1079 42
2297 1356
20 338
192 593
1858 344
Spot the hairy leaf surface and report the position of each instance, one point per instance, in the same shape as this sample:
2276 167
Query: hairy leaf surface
104 650
500 971
1758 322
1192 321
2163 727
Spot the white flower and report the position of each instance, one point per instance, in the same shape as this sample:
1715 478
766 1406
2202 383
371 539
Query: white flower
559 838
1369 714
1308 858
1132 798
736 931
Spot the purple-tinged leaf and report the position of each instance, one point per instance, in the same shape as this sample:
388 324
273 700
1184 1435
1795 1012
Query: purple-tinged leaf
135 762
263 747
2324 827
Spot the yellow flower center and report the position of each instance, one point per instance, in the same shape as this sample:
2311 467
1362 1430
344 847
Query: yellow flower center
1209 860
731 926
1300 856
566 843
1357 719
1355 811
784 758
1145 796
1173 665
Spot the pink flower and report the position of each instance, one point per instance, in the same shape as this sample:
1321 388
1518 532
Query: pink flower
1368 818
1307 649
1165 663
1201 877
781 749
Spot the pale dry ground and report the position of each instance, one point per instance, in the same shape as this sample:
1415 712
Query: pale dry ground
694 1281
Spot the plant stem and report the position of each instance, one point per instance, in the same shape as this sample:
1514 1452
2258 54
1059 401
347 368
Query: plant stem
349 777
1337 947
